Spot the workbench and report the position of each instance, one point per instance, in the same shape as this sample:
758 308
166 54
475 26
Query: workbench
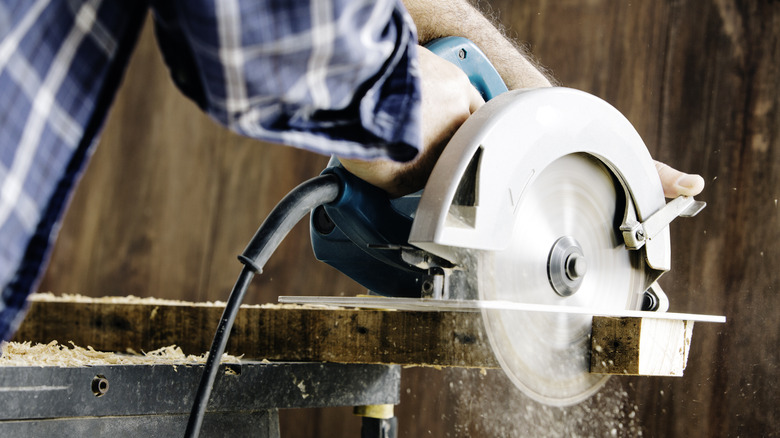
155 400
319 357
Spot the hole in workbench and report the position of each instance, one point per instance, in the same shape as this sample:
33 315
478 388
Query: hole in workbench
233 369
99 385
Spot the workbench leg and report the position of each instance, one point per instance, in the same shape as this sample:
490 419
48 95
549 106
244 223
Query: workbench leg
378 421
379 428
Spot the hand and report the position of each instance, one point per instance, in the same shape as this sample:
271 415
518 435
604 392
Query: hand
676 183
448 99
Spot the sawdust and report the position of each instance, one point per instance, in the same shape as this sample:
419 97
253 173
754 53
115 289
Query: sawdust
54 354
130 299
488 405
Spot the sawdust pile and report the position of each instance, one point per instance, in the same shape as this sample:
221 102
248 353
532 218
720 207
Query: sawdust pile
490 406
54 354
130 299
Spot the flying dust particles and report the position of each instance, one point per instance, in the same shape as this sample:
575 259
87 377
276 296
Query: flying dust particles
490 406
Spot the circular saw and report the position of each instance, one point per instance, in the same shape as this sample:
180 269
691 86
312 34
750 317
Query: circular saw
544 197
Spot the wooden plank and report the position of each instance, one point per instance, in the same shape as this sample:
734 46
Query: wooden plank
635 346
640 346
293 333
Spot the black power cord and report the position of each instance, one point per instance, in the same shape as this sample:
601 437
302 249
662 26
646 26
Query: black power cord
302 199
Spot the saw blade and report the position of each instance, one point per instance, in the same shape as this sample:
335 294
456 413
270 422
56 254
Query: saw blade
574 200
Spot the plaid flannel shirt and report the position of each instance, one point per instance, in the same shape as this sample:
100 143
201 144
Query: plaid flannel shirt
331 76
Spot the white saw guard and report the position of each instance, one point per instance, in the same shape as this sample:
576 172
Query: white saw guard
520 133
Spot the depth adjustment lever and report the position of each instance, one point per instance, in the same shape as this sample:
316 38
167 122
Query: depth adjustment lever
636 233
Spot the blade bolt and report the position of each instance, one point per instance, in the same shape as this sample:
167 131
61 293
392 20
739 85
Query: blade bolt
639 235
462 53
576 266
566 266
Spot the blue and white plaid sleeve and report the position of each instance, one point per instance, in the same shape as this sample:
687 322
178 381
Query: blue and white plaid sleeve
331 76
60 65
334 77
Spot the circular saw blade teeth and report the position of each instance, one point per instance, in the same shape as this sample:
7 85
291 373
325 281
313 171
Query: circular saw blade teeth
570 208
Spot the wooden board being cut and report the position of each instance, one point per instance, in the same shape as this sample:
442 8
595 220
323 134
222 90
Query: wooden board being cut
627 345
640 346
273 332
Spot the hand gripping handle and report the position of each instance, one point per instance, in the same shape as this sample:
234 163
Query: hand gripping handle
369 227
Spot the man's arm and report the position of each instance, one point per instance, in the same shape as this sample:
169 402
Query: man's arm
448 98
441 18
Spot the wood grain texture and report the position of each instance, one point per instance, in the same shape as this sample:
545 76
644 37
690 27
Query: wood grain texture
615 345
289 333
170 198
640 346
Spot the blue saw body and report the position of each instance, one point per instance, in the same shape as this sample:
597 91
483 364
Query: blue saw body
363 232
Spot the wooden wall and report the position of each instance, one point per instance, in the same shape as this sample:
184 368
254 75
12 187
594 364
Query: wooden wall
170 199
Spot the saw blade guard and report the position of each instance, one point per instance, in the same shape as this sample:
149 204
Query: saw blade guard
474 190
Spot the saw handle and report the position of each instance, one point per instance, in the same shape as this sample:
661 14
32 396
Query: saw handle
469 58
363 232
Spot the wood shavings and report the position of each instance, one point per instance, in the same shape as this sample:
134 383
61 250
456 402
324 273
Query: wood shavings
54 354
130 299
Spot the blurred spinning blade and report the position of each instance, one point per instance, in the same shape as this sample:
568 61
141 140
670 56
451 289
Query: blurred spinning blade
546 354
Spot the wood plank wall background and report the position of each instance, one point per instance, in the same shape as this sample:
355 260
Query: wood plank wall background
170 199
